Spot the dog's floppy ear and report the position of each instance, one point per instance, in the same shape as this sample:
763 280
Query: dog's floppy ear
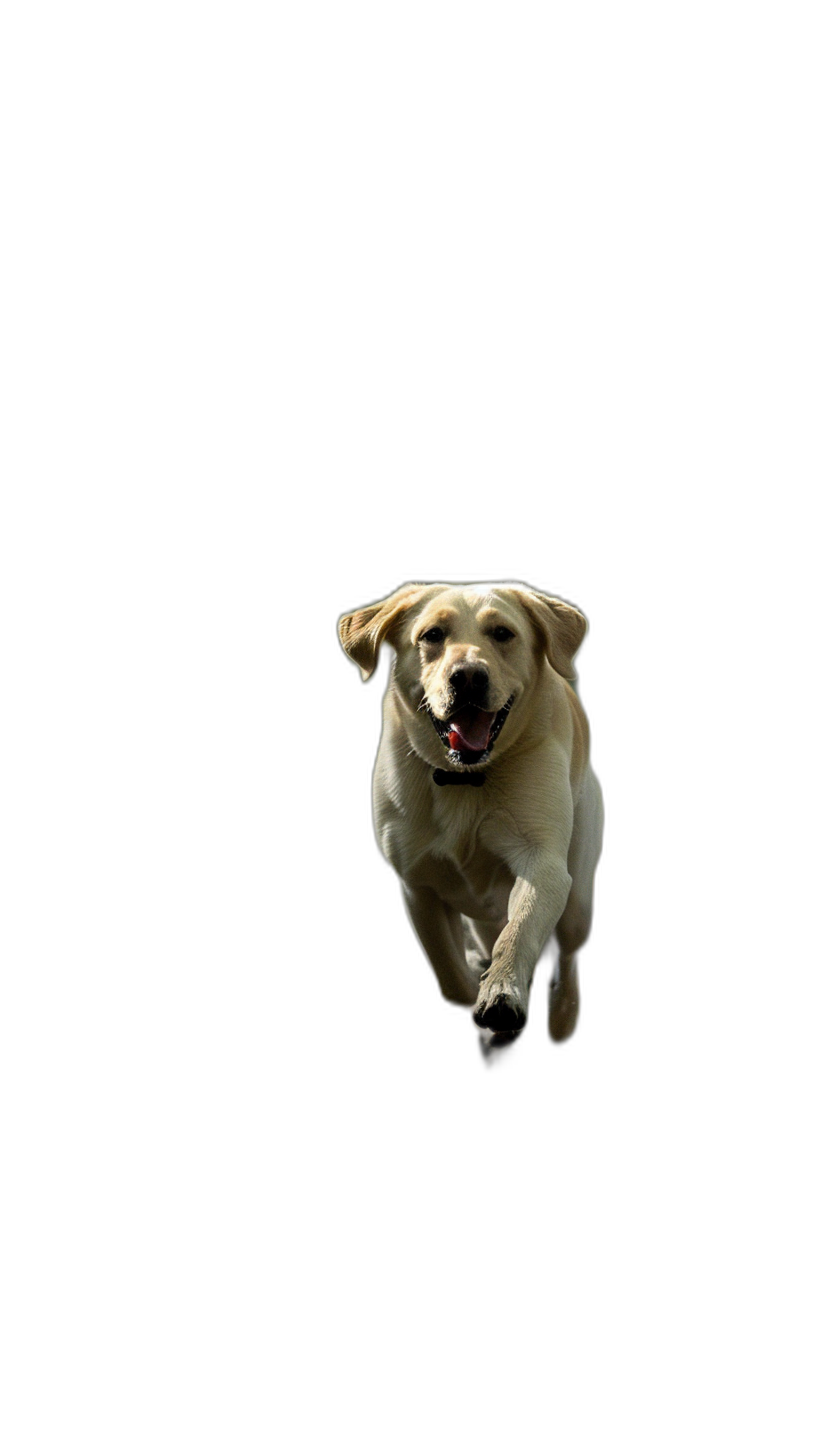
363 632
562 627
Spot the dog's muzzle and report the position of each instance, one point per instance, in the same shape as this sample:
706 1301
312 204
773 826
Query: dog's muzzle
470 731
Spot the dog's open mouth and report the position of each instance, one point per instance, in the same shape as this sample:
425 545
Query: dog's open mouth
470 732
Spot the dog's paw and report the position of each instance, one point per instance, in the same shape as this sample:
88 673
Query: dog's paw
500 1012
493 1044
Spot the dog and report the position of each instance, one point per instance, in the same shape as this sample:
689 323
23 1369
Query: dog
485 802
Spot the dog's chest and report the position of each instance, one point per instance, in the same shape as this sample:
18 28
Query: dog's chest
459 863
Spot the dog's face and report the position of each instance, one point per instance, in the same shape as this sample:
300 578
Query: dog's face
466 656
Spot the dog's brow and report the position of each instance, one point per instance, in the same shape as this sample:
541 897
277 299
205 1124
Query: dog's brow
490 612
441 618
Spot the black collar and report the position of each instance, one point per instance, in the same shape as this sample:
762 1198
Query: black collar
460 780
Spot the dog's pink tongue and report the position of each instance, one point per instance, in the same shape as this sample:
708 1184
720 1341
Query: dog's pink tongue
470 729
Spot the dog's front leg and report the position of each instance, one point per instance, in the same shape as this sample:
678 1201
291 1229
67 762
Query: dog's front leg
440 934
536 904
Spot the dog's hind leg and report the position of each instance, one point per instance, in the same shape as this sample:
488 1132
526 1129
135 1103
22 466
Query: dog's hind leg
574 926
440 933
565 1001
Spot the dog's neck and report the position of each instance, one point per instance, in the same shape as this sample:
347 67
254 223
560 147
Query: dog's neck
471 780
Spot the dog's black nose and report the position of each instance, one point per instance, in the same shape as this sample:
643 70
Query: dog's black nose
469 684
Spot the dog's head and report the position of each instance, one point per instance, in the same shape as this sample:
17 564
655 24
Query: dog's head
467 657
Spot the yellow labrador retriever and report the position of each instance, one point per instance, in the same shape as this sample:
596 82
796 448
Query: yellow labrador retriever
484 799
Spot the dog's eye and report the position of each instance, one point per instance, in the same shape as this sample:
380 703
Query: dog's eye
502 634
433 634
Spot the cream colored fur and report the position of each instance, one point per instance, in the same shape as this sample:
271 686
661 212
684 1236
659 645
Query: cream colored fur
490 873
